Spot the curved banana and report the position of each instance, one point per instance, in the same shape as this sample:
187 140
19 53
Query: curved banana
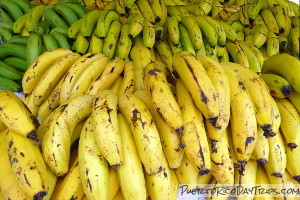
95 182
33 48
186 41
75 29
104 21
270 20
262 180
146 10
260 35
194 137
278 86
136 24
221 34
237 53
144 131
54 19
89 22
12 9
292 162
111 41
195 78
195 33
229 30
124 43
148 34
132 166
165 53
57 138
107 77
294 97
49 42
67 13
261 151
272 44
127 85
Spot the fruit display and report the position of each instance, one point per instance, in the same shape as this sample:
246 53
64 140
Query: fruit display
129 99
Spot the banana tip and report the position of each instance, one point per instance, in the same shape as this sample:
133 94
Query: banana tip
40 195
204 171
297 178
262 161
277 174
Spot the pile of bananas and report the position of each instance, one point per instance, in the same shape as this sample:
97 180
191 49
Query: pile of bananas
94 127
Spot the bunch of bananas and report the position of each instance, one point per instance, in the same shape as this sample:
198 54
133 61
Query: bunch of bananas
138 128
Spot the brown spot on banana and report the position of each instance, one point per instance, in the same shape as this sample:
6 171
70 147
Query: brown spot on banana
249 140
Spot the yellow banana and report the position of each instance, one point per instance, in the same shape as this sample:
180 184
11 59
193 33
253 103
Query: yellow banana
127 86
261 151
262 181
114 183
294 97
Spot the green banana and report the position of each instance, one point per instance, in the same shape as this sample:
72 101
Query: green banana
9 72
33 48
253 61
254 11
260 34
54 19
125 43
172 26
20 40
7 25
159 31
283 42
270 20
96 44
12 9
194 31
222 54
219 30
136 24
35 15
75 29
49 42
42 27
185 40
279 17
230 32
11 49
8 84
279 87
272 44
148 34
104 21
62 30
111 40
120 7
5 34
67 13
89 22
80 11
24 5
5 16
207 30
21 23
17 63
61 40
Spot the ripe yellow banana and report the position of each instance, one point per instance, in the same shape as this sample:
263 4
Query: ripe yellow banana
28 165
144 131
292 157
116 85
195 78
113 183
127 85
130 174
290 122
9 187
261 151
262 180
243 121
16 116
294 97
36 70
107 77
52 76
258 92
34 109
175 185
106 128
93 167
170 139
160 93
57 138
219 79
165 53
278 86
194 136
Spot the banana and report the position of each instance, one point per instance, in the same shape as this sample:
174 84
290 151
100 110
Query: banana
96 44
107 77
9 72
54 19
195 78
279 17
141 56
8 84
243 121
234 17
49 42
90 159
20 24
256 8
194 136
288 26
174 186
136 24
222 54
80 11
60 131
294 38
128 4
111 5
173 12
290 122
144 131
71 186
205 179
237 53
50 103
9 186
272 44
31 105
236 163
13 107
114 183
275 65
134 9
221 162
210 51
195 33
292 160
217 7
175 47
270 20
160 93
156 6
258 20
172 26
288 10
146 10
75 72
244 15
278 86
103 23
165 53
221 34
254 63
148 34
206 6
220 82
230 32
240 36
260 35
20 40
170 139
111 41
276 117
67 13
159 185
28 165
105 125
89 22
10 49
52 76
294 97
127 85
12 9
159 31
262 180
17 63
207 30
120 7
52 183
261 98
81 44
246 177
33 48
75 28
277 157
87 77
124 43
132 166
186 41
238 26
187 173
255 50
261 151
5 16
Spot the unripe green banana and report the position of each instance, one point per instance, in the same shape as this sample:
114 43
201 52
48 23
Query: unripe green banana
61 40
11 49
9 72
17 63
5 34
49 42
67 13
8 84
12 8
54 19
111 41
33 48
